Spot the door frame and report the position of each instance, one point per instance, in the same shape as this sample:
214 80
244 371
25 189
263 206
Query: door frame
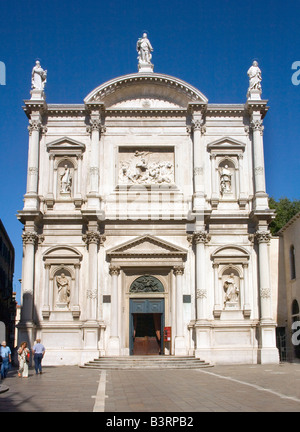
143 306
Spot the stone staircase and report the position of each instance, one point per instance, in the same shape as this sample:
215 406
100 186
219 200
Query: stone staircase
146 362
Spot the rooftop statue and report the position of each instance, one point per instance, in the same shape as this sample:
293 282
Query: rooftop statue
254 74
144 49
38 77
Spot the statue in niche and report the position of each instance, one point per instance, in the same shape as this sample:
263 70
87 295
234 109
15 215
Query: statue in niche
38 77
231 290
225 179
63 289
144 49
66 181
254 74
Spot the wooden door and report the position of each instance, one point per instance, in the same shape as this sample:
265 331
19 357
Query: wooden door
146 324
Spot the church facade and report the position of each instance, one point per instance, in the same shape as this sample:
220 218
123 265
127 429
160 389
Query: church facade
146 210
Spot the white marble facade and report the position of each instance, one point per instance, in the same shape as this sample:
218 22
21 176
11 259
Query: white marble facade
147 179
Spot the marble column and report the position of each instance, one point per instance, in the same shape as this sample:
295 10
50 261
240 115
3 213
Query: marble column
260 196
114 340
242 194
214 184
92 239
180 348
268 353
31 196
246 308
263 239
198 160
46 305
75 306
217 294
29 242
95 131
200 239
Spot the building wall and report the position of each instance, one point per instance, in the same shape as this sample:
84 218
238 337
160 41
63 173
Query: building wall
7 296
148 158
290 282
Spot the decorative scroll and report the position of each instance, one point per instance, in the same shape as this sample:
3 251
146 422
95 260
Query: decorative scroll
146 284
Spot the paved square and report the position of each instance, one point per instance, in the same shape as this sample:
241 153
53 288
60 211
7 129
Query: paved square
252 388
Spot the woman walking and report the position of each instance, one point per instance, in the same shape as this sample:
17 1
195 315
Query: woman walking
23 357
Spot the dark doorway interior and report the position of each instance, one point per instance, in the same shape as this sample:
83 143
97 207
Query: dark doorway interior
146 333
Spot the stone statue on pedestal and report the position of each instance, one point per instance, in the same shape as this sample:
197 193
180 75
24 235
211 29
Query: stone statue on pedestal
63 287
254 74
66 181
38 77
144 49
231 290
225 180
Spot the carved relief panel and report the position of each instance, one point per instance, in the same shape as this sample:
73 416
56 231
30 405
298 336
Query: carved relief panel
145 166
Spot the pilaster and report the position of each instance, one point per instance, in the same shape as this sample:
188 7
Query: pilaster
113 348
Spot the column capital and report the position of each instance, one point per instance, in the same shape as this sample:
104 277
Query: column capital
34 125
29 237
96 125
257 125
201 237
178 270
263 236
114 270
93 237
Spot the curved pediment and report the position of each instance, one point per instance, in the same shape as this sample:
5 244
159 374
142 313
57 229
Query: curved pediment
145 91
62 252
230 252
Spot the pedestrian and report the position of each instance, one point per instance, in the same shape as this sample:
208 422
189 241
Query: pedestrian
23 357
38 354
5 353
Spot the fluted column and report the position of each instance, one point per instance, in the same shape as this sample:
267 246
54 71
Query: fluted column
29 242
180 348
114 341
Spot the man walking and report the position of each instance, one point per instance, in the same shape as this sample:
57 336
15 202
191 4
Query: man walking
38 354
5 353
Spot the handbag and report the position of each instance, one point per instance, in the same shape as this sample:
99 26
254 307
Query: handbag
27 357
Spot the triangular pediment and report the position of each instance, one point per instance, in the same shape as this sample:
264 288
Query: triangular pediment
146 245
65 143
226 143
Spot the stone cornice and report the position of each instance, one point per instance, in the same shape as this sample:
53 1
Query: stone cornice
101 92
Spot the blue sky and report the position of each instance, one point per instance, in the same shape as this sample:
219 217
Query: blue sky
208 43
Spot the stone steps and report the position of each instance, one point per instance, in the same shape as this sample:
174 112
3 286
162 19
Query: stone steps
146 362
